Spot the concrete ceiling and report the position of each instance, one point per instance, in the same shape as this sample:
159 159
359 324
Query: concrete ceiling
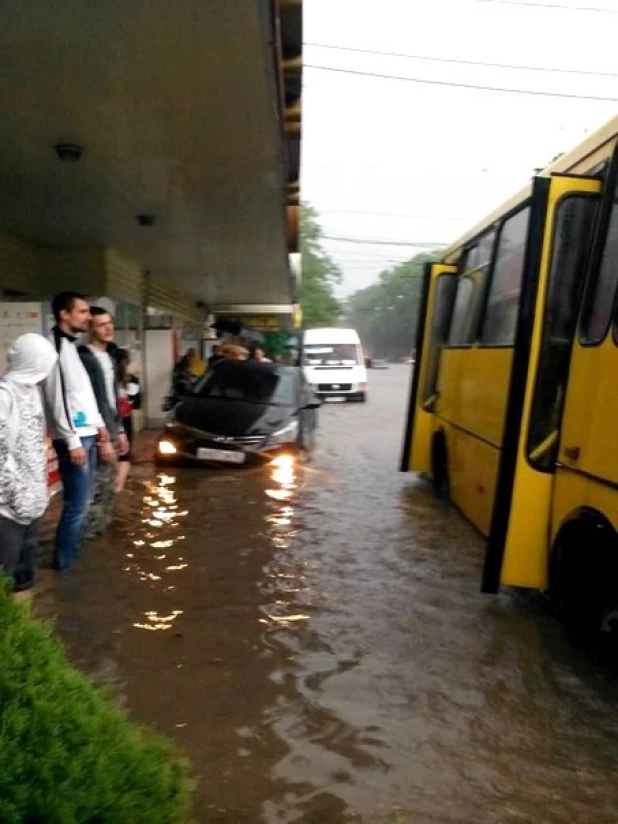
179 105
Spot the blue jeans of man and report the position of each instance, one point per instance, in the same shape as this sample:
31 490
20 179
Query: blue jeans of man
77 494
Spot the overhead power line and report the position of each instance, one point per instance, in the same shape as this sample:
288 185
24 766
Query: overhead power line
462 62
461 85
368 241
385 214
550 6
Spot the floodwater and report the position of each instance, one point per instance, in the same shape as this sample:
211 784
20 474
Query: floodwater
316 642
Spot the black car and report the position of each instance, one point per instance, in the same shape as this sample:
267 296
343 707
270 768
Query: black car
240 410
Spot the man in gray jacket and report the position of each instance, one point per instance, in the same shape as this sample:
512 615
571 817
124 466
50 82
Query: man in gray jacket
76 424
102 370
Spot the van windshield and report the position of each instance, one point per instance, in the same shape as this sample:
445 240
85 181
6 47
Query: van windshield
331 354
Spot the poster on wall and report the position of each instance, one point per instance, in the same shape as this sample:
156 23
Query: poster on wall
16 319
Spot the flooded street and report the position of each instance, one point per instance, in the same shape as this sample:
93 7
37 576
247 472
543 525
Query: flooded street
316 642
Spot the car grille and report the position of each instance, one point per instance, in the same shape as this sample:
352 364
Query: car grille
209 439
334 387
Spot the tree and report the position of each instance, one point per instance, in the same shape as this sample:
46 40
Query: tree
385 314
320 274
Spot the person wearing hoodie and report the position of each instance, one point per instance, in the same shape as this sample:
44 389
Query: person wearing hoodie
24 493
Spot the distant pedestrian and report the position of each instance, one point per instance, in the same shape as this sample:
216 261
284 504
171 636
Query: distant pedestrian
256 353
234 351
103 373
75 422
216 356
182 379
24 493
194 364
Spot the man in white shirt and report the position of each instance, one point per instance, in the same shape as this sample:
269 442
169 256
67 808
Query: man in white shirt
102 370
75 422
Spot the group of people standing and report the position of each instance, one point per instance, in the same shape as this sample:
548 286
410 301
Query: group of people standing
83 394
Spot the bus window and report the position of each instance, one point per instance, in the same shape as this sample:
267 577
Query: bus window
458 333
471 291
598 305
503 301
443 307
571 245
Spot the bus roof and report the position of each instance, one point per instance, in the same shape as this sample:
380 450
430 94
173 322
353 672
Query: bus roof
582 159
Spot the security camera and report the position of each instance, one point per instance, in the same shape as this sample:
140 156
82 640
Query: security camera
69 152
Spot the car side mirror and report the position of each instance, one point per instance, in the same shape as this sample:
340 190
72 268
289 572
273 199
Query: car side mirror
315 403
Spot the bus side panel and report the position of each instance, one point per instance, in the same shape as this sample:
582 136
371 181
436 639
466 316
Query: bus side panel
473 472
575 492
591 411
448 403
517 549
416 453
588 458
474 390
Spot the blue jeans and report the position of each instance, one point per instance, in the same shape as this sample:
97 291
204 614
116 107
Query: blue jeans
77 493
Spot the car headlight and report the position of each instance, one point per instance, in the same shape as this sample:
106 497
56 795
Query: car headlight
166 448
287 434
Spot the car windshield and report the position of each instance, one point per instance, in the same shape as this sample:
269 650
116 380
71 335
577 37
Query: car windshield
252 384
331 354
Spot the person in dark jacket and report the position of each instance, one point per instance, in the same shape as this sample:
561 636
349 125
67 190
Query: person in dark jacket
102 370
129 398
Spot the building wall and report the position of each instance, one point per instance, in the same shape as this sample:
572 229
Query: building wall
19 270
80 270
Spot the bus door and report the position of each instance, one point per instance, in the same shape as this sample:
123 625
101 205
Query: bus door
587 470
439 286
562 220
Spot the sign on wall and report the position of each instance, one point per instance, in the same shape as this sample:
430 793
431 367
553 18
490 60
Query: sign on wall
16 319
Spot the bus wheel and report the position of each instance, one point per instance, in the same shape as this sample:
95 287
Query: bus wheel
439 467
583 571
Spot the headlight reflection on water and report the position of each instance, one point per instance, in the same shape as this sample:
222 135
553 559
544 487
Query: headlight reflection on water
156 548
284 584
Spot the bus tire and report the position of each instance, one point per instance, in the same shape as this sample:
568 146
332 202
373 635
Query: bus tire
583 568
439 467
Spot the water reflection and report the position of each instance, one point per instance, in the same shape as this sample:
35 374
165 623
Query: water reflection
285 576
160 527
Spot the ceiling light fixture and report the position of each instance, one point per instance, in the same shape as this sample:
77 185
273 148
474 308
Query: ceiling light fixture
69 152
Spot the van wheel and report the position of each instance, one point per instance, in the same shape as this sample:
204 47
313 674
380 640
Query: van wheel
439 468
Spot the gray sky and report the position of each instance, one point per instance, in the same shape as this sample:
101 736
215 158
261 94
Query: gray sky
404 161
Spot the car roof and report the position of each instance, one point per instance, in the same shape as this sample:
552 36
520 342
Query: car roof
256 366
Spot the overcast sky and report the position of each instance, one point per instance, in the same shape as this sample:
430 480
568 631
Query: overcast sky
417 163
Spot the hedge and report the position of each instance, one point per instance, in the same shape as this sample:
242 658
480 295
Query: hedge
68 754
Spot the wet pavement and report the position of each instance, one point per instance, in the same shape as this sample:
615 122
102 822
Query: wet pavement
316 642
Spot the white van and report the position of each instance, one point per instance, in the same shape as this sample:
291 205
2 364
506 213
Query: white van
334 363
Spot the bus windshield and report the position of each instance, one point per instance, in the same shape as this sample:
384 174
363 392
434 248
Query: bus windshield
331 354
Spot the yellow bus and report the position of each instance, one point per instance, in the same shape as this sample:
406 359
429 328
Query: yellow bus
514 398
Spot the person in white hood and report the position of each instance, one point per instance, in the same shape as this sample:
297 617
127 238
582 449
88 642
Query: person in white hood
24 494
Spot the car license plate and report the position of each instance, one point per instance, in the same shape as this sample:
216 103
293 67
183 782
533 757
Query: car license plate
221 455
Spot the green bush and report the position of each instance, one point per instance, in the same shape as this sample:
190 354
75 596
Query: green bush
68 755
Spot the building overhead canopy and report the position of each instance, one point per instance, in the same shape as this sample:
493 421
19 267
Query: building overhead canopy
188 113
